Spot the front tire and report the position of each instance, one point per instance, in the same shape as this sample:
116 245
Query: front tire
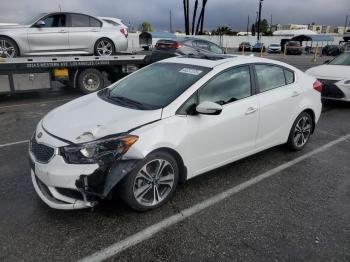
301 131
152 183
8 48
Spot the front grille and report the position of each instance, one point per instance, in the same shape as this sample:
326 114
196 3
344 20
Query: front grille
330 90
42 153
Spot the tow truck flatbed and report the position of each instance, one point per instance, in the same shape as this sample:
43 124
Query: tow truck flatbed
88 73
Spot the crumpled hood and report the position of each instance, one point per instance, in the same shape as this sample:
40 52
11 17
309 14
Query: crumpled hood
331 72
89 118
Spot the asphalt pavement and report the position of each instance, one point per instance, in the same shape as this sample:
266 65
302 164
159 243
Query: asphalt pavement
299 214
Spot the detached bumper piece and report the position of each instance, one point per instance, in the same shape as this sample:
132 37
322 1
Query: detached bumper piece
103 180
53 198
330 90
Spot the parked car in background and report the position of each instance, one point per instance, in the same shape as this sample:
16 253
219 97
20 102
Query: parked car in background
294 48
344 47
183 46
335 76
258 47
169 122
283 43
347 36
331 50
246 45
274 48
62 33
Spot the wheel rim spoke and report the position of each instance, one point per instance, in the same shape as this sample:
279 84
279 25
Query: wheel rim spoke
156 196
166 180
142 191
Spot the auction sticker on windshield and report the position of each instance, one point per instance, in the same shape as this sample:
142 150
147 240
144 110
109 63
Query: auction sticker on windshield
190 71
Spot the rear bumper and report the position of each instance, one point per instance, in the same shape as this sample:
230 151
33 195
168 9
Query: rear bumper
335 90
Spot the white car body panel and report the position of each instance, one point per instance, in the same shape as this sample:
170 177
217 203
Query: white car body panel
204 142
90 114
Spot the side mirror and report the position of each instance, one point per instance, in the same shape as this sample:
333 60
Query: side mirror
40 23
327 61
209 108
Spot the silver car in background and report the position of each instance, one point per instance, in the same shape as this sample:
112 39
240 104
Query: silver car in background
63 33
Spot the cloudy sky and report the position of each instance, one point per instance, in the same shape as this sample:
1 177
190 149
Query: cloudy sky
219 12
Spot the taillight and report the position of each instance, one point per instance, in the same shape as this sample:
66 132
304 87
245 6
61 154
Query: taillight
318 86
176 45
124 32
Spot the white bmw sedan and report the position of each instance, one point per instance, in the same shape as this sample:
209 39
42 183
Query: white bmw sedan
63 33
335 77
167 123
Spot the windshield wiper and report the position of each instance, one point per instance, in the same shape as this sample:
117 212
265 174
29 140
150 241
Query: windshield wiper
128 101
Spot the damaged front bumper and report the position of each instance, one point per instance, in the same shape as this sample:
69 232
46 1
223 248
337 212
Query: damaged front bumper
74 186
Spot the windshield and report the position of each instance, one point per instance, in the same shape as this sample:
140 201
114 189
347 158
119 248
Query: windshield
343 59
155 86
275 45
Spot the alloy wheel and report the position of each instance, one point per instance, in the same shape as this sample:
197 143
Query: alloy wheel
302 131
7 50
154 182
104 48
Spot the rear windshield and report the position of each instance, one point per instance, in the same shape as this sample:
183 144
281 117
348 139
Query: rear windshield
343 59
111 22
155 86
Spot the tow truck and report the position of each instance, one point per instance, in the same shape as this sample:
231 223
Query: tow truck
88 73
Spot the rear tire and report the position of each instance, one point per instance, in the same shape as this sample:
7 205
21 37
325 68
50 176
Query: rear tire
90 80
145 188
8 48
300 133
104 47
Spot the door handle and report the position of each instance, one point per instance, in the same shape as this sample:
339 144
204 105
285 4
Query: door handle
295 94
94 30
251 110
63 31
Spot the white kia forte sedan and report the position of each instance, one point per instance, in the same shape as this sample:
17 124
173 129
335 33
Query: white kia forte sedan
167 123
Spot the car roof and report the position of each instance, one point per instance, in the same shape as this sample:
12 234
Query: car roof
232 59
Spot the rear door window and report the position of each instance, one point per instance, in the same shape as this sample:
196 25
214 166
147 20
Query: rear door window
94 22
79 20
270 77
289 76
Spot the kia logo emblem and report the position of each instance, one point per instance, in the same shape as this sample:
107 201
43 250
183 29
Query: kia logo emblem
40 134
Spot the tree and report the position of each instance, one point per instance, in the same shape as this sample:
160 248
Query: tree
145 27
223 30
253 30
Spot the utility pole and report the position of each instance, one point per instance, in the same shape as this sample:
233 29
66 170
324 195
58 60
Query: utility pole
346 23
259 18
271 24
248 26
170 23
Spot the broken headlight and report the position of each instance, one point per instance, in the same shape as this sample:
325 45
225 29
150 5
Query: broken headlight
99 151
